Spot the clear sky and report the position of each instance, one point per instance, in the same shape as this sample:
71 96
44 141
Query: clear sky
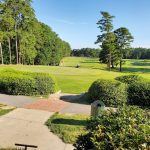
75 20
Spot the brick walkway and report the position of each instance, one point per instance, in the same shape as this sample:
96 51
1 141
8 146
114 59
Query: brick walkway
48 105
55 104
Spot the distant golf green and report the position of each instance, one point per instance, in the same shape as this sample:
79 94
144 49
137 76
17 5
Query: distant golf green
77 80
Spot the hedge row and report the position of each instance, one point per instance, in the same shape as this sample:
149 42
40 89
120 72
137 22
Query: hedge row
136 91
25 83
112 93
128 79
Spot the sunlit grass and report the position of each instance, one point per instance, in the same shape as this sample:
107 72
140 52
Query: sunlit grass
68 127
78 80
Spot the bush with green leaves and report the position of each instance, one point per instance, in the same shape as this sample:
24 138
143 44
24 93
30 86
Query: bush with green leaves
128 128
128 79
139 94
112 93
26 83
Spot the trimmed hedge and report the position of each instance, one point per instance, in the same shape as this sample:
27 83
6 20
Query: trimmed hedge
139 94
112 93
25 83
126 129
128 79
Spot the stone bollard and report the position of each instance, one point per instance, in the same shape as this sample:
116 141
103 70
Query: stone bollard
96 108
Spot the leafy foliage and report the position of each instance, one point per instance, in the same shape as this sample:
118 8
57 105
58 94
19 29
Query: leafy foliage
113 43
111 92
25 40
25 83
139 94
137 53
86 52
128 128
129 79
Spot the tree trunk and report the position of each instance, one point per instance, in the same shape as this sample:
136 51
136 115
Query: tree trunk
1 51
121 65
9 44
109 62
16 49
112 63
19 58
16 44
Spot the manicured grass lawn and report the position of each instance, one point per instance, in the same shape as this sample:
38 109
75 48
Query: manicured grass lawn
67 127
78 80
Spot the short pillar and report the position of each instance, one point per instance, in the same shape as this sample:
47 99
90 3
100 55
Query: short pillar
96 108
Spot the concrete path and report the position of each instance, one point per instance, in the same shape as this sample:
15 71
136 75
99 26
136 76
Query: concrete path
61 102
77 109
74 107
17 101
26 126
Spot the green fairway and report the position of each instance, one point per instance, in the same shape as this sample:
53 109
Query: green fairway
78 80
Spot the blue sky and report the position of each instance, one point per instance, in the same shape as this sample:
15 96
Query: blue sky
75 20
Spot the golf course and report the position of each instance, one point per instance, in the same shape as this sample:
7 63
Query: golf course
77 80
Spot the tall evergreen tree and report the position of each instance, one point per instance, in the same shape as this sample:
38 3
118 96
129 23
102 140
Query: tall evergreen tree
107 38
123 40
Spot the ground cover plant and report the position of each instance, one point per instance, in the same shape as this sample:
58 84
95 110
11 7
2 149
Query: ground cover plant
68 127
128 128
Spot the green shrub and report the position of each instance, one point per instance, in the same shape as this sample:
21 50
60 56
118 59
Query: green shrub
111 92
44 83
128 128
139 94
26 83
128 79
17 85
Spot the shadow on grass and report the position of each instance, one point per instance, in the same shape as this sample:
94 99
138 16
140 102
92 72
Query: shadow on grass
88 62
141 63
80 99
134 70
70 122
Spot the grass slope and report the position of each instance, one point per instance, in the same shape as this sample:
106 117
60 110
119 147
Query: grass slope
78 80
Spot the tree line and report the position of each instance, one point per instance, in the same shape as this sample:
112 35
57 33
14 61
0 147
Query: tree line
86 52
25 40
112 42
137 53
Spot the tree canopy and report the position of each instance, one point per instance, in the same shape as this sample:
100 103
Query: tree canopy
113 43
25 40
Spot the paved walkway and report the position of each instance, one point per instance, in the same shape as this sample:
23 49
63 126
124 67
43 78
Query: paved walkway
26 126
64 103
17 101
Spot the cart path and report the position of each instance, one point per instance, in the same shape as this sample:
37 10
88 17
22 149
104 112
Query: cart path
16 101
26 126
61 102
